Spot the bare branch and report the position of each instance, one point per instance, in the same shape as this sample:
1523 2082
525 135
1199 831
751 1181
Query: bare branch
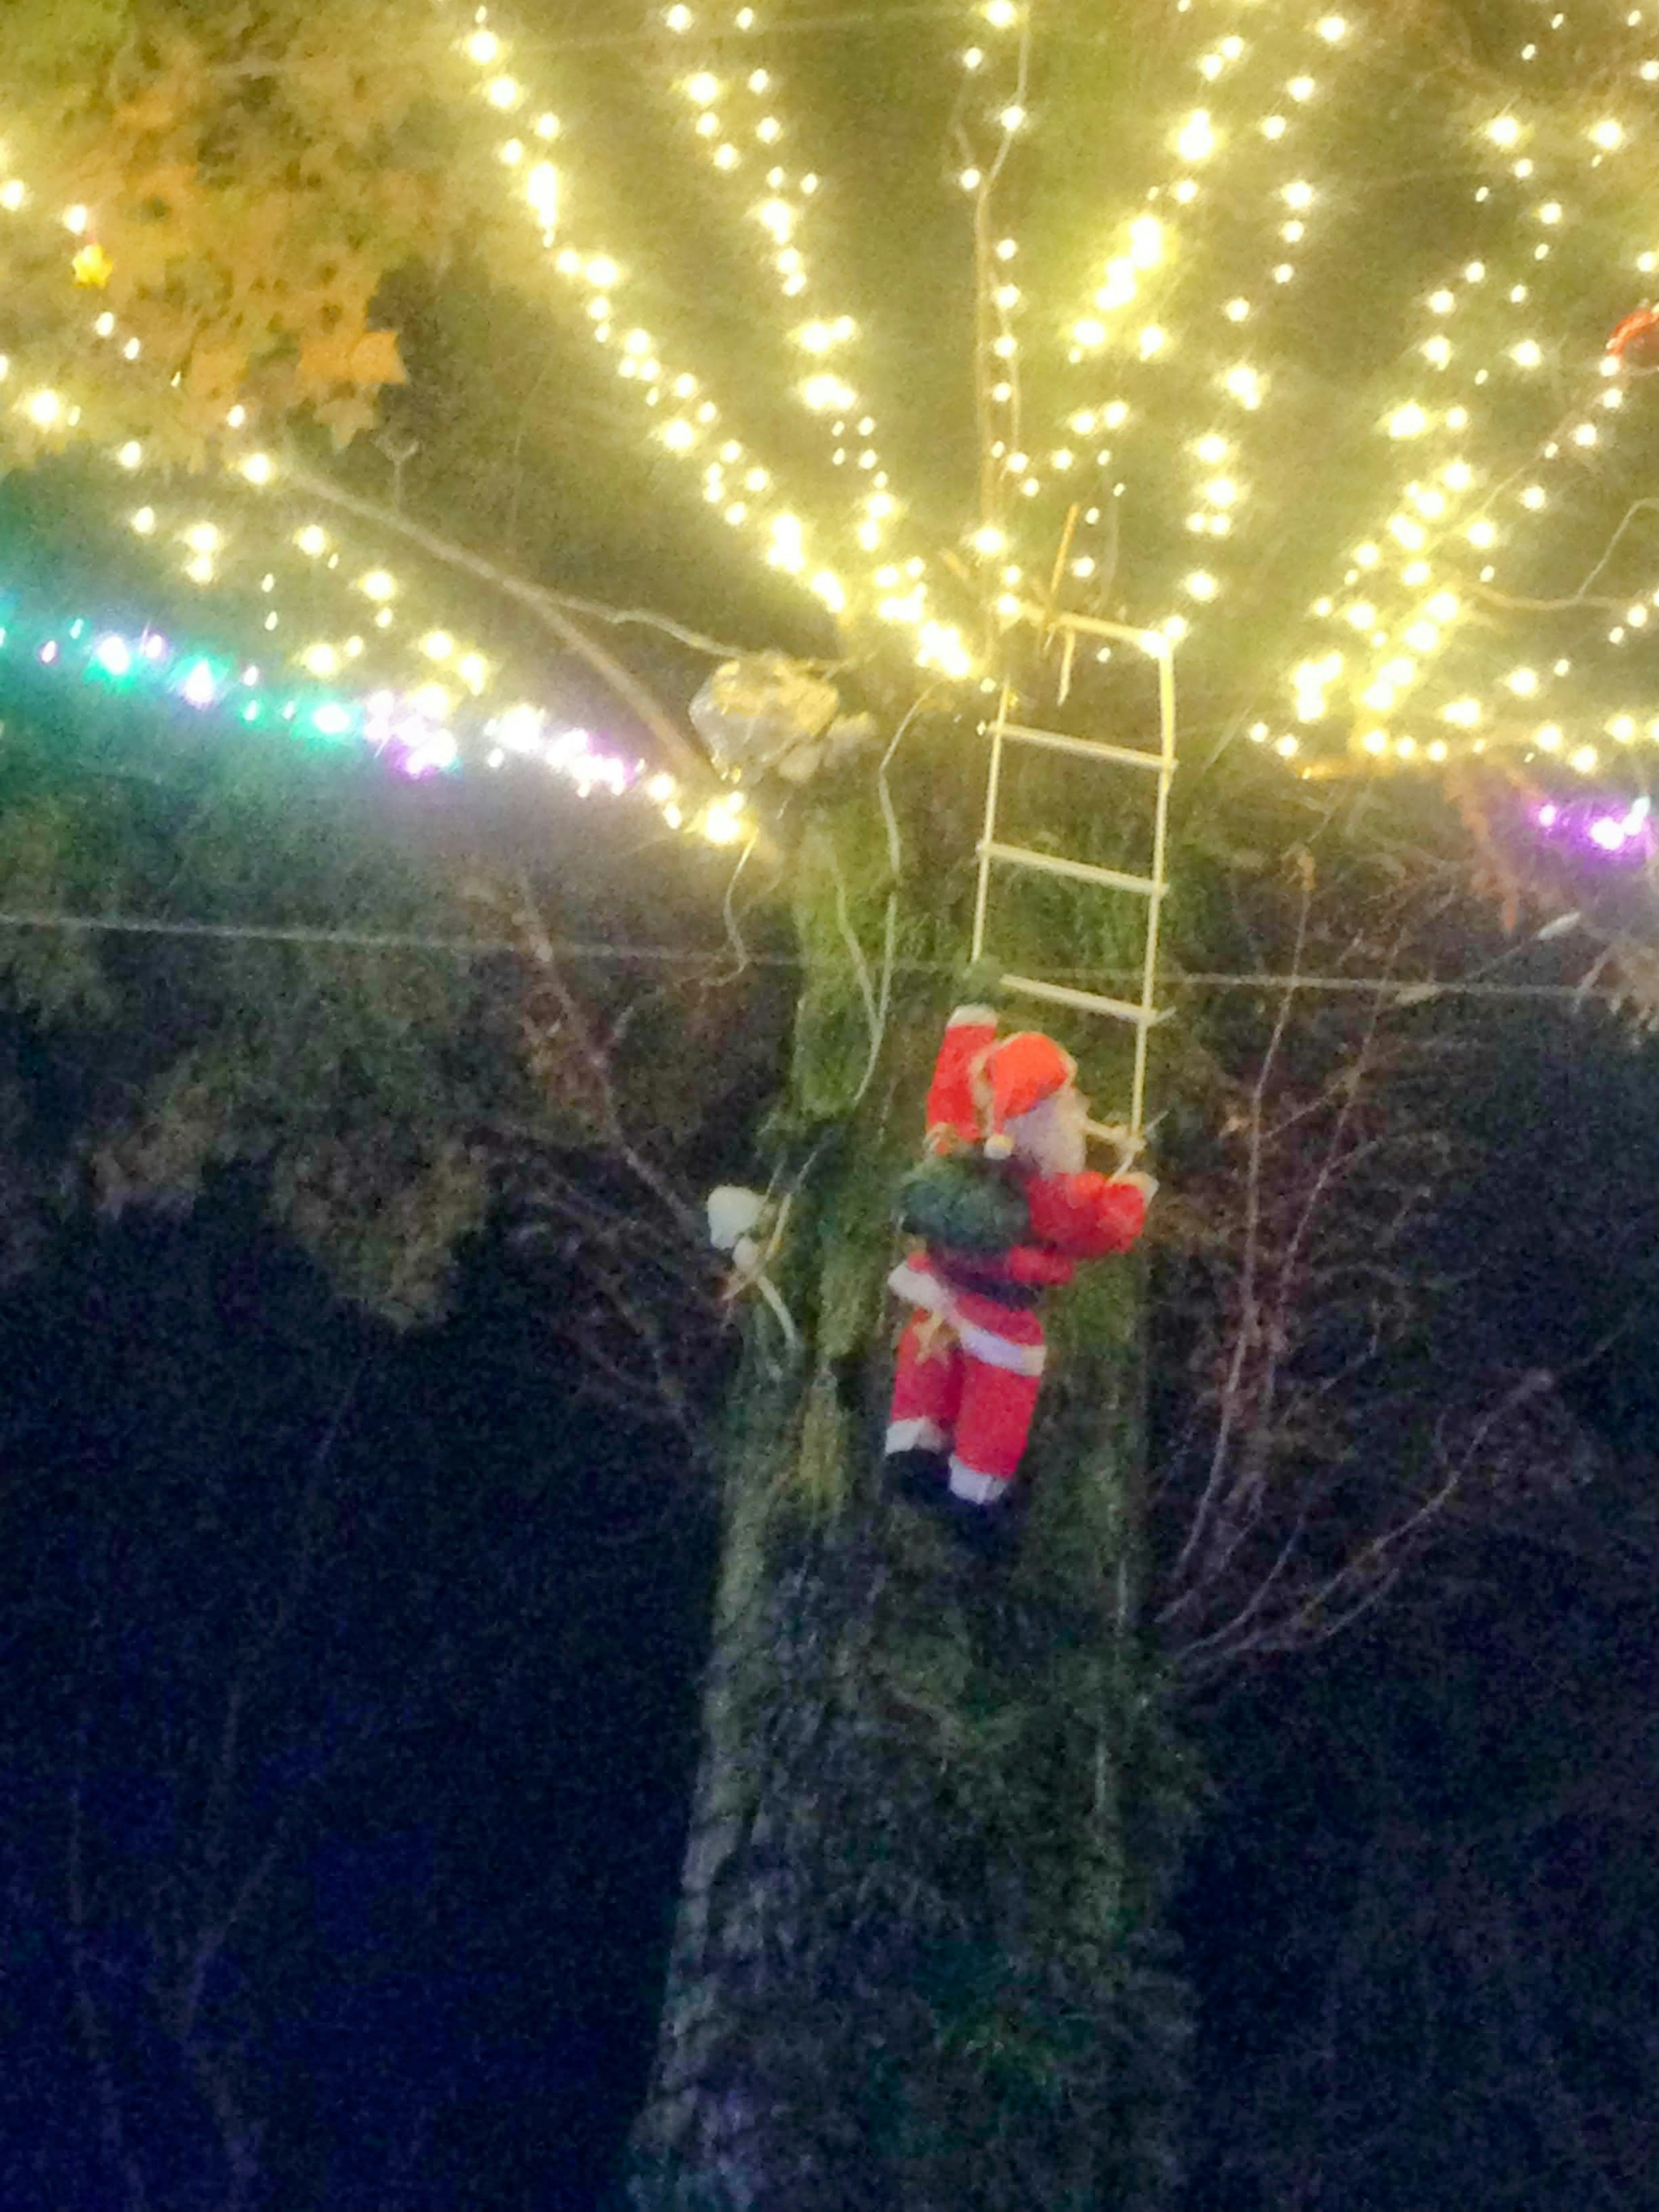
549 608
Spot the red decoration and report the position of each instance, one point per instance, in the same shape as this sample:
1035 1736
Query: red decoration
1639 334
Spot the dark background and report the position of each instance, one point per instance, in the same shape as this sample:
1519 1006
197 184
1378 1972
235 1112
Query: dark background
460 1613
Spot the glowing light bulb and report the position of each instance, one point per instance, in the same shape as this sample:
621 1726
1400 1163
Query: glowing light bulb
1410 421
1195 140
1146 241
542 191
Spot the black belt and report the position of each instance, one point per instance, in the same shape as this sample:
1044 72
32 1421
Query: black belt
1019 1297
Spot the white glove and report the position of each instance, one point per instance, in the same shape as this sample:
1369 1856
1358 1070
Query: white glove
734 1214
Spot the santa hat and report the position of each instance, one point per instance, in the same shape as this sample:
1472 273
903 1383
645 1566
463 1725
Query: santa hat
1017 1074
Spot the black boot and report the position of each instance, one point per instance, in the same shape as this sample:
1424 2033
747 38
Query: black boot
990 1533
919 1477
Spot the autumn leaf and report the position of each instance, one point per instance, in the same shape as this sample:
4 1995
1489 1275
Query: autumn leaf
346 418
217 371
366 358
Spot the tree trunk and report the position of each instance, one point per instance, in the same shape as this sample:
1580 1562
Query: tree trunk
918 1964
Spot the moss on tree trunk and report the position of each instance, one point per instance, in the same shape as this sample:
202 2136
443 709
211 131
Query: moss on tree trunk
917 1964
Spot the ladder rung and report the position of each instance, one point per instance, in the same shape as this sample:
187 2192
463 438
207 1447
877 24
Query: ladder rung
1088 1002
1021 856
1084 748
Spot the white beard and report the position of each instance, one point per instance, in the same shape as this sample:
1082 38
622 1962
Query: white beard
1051 1140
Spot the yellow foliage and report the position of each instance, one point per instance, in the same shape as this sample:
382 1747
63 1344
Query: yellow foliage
252 176
368 359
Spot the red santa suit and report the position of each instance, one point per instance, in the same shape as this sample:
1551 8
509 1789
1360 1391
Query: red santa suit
971 1360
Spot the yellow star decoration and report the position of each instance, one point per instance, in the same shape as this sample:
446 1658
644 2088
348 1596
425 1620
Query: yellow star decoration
93 266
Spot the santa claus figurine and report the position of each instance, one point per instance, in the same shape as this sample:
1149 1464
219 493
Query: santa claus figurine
971 1358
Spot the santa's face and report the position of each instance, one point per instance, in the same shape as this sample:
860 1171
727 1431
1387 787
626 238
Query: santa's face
1053 1138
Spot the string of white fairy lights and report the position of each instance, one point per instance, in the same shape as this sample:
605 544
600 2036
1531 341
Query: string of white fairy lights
1412 553
1157 246
1422 587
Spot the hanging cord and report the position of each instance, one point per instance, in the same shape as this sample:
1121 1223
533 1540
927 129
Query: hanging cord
855 954
729 914
896 870
754 1273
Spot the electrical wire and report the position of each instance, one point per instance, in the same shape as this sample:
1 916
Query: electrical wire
1407 990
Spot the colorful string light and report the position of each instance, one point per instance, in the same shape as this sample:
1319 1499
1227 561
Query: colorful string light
419 733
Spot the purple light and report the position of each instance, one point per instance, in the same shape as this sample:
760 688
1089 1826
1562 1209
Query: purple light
155 647
1622 835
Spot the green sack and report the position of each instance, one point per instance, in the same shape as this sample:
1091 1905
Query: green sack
964 1202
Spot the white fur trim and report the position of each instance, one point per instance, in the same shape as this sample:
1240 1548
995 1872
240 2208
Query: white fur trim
973 1017
967 1482
992 1351
918 1288
920 1435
